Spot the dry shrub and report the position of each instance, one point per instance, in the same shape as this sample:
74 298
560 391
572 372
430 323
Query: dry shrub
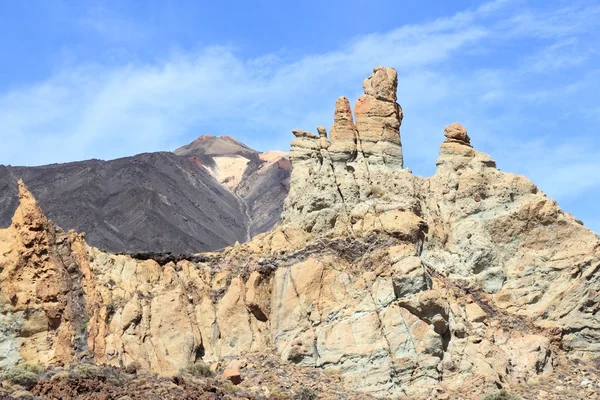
25 375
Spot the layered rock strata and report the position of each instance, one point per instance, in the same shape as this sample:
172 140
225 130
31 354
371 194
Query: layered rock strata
466 281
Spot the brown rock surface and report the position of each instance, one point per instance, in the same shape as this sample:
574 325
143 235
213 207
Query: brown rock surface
378 119
382 84
457 132
232 375
460 283
343 123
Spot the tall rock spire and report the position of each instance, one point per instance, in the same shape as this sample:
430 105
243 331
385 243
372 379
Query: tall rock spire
378 119
343 131
29 212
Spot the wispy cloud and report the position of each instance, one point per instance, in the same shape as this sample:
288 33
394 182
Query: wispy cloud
112 26
559 55
516 76
150 106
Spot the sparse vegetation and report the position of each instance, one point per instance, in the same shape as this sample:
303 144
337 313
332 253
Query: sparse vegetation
501 395
84 371
198 369
280 395
229 387
84 324
133 368
305 394
25 374
93 371
110 309
377 191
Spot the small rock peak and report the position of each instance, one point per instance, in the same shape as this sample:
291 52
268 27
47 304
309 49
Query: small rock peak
323 141
378 116
23 191
28 212
457 133
25 197
343 111
371 132
322 131
343 127
382 84
457 153
300 133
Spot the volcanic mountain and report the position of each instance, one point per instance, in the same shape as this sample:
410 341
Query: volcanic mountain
204 196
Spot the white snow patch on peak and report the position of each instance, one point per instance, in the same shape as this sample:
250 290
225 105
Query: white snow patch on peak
229 170
273 156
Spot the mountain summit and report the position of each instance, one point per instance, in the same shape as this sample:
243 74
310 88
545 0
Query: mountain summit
215 146
204 196
259 180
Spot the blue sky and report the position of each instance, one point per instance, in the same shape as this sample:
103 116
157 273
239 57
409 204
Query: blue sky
109 79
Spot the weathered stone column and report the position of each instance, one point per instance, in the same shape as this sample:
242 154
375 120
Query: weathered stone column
378 119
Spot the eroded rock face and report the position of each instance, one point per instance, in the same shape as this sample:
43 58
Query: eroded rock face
42 290
465 281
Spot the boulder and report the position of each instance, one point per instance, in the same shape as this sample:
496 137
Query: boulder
232 375
457 133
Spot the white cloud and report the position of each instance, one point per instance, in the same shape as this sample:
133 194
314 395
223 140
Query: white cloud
552 23
94 111
111 26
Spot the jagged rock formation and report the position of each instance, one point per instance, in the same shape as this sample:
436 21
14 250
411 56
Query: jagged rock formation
203 197
42 287
463 282
356 167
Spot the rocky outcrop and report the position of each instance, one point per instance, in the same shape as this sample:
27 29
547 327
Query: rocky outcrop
42 290
462 282
335 185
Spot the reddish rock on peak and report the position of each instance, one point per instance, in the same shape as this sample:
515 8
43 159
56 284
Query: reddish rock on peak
457 132
343 127
28 212
382 84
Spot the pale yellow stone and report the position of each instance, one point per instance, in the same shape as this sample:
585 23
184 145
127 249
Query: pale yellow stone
475 313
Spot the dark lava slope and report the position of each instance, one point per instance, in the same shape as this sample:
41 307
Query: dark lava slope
150 202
